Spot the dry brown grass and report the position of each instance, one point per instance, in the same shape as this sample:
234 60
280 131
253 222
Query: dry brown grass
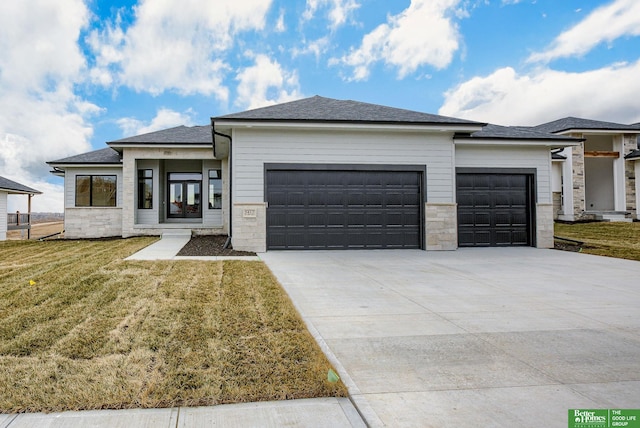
38 230
97 332
620 240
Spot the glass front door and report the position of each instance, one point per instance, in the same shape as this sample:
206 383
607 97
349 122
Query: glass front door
185 195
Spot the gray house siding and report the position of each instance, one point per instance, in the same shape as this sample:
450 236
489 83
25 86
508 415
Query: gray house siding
253 148
537 158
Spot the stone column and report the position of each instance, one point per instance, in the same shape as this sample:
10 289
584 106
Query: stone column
249 227
544 225
441 225
630 144
578 180
129 175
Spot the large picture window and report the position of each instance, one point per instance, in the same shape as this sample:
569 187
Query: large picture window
145 189
215 189
95 190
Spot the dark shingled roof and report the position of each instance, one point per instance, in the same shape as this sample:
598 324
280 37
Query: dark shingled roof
102 156
320 109
514 133
577 123
12 186
177 135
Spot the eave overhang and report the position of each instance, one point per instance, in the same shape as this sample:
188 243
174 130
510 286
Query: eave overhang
60 167
550 143
117 146
19 192
347 125
597 131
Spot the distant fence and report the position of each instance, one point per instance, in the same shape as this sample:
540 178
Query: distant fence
17 221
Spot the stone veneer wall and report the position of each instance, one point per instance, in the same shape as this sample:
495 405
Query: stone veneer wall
544 225
249 227
92 222
578 180
557 204
630 144
3 216
441 225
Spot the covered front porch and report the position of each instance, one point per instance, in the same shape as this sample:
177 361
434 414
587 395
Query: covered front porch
592 181
176 194
17 220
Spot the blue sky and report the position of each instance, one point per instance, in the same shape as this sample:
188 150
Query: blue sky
78 73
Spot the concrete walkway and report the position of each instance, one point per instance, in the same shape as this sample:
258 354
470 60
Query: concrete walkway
472 338
316 412
171 243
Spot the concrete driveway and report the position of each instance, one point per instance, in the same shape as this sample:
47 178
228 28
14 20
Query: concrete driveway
476 337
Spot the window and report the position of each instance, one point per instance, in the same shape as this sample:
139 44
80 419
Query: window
145 189
95 190
215 189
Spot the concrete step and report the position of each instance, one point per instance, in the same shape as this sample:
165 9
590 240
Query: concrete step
613 217
173 233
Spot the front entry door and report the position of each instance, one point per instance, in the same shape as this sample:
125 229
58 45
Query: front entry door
185 195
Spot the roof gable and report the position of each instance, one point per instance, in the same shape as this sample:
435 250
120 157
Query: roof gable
177 135
102 156
569 123
11 186
320 109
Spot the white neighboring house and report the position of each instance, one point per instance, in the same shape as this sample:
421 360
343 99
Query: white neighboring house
320 173
14 220
596 179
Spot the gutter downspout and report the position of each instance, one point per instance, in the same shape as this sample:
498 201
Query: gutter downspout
213 137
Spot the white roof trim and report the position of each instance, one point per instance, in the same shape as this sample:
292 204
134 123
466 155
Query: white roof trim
444 127
598 131
85 165
115 145
514 142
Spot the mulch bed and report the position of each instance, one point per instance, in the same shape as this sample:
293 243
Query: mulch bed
566 246
210 245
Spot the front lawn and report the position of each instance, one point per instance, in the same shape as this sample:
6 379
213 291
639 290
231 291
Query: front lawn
82 329
621 240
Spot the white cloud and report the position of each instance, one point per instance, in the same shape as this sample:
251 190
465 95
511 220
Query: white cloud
508 98
280 27
175 45
339 10
266 83
165 118
315 47
605 24
422 34
41 118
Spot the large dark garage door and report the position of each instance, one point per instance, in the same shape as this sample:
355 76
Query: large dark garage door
494 209
343 209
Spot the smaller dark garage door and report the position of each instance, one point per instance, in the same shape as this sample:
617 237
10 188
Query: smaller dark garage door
330 207
495 209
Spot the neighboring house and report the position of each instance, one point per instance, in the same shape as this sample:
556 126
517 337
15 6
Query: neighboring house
595 180
320 173
14 220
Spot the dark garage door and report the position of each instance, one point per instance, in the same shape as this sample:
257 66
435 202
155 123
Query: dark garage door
494 209
339 209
